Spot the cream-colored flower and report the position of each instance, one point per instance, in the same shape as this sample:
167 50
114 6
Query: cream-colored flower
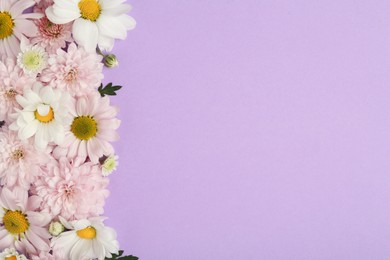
32 58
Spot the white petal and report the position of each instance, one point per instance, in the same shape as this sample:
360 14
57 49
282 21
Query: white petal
111 27
29 130
86 34
58 20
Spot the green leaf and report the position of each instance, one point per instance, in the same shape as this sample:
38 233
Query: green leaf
108 90
129 257
119 256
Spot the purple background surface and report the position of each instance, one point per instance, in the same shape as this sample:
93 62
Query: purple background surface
254 129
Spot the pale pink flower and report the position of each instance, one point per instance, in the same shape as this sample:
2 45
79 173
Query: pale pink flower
43 256
19 161
41 5
15 23
93 128
72 191
75 71
12 82
22 226
52 36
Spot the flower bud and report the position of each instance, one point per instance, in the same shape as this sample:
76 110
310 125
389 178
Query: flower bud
110 61
109 164
56 228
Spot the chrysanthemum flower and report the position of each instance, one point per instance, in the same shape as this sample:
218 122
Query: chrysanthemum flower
52 36
22 227
43 115
12 82
43 256
92 129
19 161
72 191
75 71
14 23
11 254
86 239
32 58
96 22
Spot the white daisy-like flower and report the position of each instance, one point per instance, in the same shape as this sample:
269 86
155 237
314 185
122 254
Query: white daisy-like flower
96 22
86 239
11 254
14 23
32 58
109 164
43 115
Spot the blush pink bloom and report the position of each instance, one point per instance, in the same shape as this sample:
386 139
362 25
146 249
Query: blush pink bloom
52 36
19 161
42 256
12 82
72 191
21 225
75 71
93 128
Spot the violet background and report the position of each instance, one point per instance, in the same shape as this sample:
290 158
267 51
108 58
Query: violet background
254 129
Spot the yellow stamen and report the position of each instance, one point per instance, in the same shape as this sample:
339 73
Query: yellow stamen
6 25
15 222
11 258
90 9
44 118
84 127
87 233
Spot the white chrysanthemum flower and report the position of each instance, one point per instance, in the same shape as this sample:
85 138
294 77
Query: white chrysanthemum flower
109 165
96 22
43 115
86 239
14 23
11 254
32 58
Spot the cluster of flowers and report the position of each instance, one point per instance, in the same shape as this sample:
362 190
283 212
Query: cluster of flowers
56 127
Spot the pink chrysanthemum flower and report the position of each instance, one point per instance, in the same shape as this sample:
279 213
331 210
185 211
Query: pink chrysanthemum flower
12 82
72 191
52 36
93 128
21 226
19 161
76 71
42 256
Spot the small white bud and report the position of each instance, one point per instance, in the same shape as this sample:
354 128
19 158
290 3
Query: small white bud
109 164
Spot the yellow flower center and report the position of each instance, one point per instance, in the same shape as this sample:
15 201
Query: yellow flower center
90 9
44 118
6 25
11 258
84 127
15 222
87 233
